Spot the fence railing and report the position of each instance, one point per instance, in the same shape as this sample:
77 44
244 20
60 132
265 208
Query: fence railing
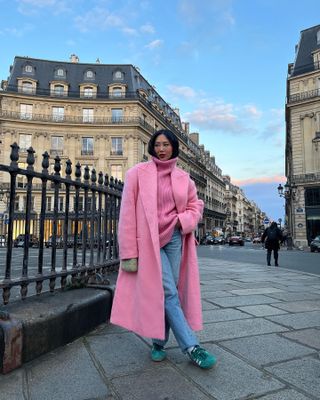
87 235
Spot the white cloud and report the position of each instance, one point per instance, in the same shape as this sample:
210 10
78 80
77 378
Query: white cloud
147 28
98 18
29 7
154 44
185 92
130 31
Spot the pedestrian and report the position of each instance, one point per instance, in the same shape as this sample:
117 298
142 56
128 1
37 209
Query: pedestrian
159 212
272 237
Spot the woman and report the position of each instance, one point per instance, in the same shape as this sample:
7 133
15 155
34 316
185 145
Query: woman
159 212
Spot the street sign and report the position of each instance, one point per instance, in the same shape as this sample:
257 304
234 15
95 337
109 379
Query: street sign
266 221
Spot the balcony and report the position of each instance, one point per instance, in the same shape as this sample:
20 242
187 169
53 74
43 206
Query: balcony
87 152
56 152
294 98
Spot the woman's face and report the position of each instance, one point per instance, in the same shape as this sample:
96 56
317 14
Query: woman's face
163 148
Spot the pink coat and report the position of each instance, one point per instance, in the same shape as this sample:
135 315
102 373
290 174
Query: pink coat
138 303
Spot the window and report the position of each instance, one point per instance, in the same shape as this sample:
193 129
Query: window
58 90
116 146
117 115
26 111
60 204
88 92
117 92
27 87
56 146
118 75
58 113
89 74
16 203
49 203
25 203
60 72
318 37
24 142
28 69
87 146
87 114
116 171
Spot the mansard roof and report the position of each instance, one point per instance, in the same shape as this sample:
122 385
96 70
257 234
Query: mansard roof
309 42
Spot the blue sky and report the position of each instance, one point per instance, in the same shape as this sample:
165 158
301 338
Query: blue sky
223 63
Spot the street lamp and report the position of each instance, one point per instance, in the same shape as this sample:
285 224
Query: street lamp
288 191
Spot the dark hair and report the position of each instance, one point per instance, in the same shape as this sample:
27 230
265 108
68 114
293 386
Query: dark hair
172 139
273 225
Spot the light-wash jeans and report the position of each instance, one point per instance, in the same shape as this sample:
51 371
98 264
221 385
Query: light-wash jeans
175 319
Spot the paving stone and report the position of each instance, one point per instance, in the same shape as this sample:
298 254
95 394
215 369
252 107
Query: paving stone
226 314
67 374
159 383
298 321
262 290
285 395
262 310
230 379
296 296
11 385
310 337
234 329
300 306
241 300
206 305
267 349
303 374
120 354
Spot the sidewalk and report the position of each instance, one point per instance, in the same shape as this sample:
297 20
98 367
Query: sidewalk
263 324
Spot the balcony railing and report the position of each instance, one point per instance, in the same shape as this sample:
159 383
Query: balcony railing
306 178
294 98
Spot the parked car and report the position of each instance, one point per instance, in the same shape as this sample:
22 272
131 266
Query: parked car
256 239
219 240
236 240
59 242
315 244
19 241
207 240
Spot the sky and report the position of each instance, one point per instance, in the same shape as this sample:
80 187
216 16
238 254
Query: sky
223 63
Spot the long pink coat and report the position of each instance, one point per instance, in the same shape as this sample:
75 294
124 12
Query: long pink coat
138 303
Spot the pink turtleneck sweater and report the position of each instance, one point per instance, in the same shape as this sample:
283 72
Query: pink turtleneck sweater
167 212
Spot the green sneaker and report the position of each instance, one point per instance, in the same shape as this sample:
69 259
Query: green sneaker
202 358
158 353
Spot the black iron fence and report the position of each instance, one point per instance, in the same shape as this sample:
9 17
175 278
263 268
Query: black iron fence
83 234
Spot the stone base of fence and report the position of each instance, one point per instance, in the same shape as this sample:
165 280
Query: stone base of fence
40 324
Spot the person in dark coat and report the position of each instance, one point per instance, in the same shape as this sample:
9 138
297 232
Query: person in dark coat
272 237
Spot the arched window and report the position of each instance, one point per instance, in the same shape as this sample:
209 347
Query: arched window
118 75
28 68
58 90
27 87
89 74
60 72
88 91
117 92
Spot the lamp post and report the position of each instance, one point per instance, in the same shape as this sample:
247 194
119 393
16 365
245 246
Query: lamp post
288 192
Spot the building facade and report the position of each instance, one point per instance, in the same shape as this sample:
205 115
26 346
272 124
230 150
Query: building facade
98 115
303 140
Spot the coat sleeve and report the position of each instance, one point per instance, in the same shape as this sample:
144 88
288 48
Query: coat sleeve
190 217
127 229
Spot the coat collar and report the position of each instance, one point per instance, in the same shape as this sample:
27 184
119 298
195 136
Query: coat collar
147 177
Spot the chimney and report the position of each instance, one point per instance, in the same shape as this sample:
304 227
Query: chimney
74 58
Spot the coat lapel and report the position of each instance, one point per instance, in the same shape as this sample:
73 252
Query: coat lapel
147 177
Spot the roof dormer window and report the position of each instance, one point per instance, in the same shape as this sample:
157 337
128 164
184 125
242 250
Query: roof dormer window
28 68
318 37
60 73
118 75
89 75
